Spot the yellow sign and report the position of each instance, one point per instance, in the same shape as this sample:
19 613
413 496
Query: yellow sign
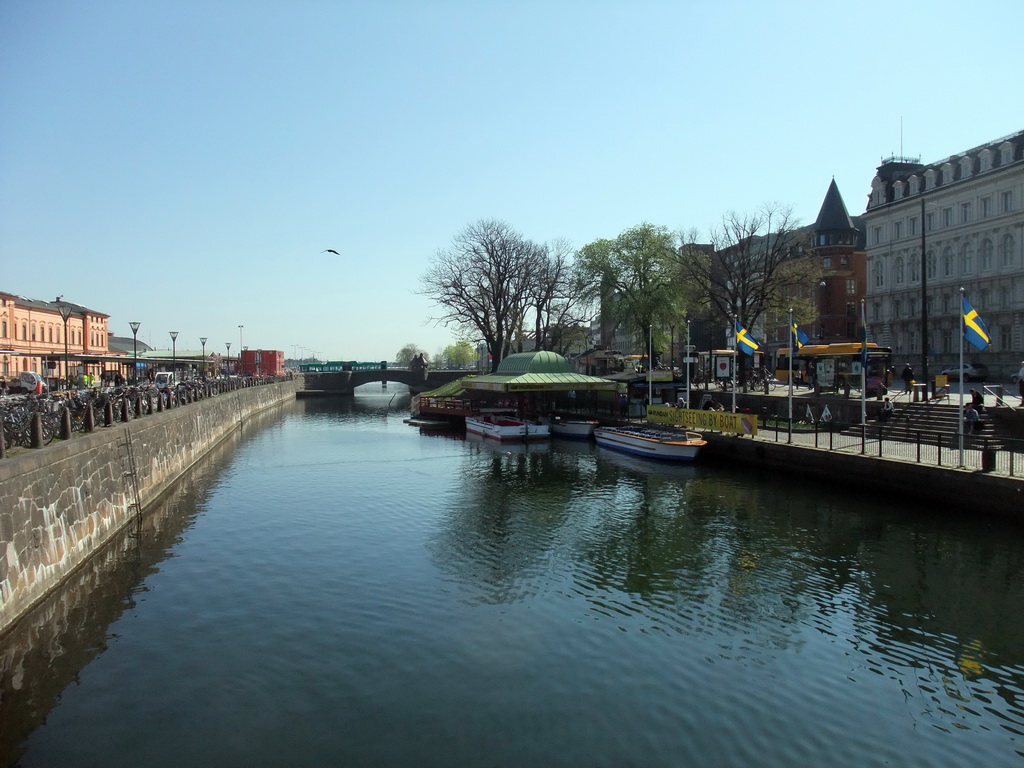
718 421
941 381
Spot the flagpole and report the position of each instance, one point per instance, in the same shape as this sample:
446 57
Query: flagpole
792 351
689 402
864 371
735 357
962 333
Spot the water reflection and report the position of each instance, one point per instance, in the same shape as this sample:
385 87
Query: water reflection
619 611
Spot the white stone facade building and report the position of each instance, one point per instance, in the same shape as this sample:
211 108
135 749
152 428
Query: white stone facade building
966 214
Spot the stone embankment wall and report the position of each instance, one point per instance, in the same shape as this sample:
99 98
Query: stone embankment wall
952 491
60 505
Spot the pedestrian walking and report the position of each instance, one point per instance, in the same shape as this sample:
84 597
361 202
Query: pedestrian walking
907 376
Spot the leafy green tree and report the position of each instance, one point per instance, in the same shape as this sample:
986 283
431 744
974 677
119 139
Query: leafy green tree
460 354
635 278
407 353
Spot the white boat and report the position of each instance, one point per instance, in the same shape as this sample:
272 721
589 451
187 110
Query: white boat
573 429
507 428
652 443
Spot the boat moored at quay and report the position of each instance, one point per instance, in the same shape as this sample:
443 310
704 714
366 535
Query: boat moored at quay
507 428
651 443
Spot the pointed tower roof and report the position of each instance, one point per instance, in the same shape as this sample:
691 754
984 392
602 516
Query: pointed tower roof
833 215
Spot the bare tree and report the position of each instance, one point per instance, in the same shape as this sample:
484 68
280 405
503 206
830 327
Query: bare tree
559 307
483 283
752 267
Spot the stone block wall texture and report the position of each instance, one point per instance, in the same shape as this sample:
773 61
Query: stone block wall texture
59 505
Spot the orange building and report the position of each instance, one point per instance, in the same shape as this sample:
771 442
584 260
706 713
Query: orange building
40 335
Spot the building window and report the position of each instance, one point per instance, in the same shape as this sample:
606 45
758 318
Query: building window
1006 250
851 286
1007 198
986 254
931 265
912 226
915 267
986 207
1005 338
33 333
896 306
826 262
965 167
877 234
897 230
986 160
929 221
966 259
844 261
984 298
897 271
879 275
1006 153
1004 297
947 262
947 217
929 178
947 340
965 212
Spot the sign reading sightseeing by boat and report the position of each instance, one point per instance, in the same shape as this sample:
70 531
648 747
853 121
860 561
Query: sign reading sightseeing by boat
719 421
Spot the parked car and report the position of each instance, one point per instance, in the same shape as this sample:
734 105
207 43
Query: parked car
972 372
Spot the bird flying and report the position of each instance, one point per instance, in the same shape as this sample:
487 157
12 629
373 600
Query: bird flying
330 250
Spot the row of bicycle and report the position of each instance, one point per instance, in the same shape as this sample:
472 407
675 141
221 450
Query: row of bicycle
31 419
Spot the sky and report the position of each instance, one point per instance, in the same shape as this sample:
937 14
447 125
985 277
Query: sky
185 164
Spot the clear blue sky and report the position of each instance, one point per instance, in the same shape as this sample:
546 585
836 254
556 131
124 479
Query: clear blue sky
184 163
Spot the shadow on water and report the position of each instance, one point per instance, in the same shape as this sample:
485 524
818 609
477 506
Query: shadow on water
46 650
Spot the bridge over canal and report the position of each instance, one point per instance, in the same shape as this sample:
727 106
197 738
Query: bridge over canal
342 383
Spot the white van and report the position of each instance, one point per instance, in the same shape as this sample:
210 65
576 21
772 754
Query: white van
27 381
165 379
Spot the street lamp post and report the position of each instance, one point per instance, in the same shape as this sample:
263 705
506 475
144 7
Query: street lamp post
65 313
174 354
202 340
135 349
227 361
924 301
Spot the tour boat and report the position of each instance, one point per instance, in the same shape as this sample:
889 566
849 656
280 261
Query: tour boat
573 429
507 428
652 443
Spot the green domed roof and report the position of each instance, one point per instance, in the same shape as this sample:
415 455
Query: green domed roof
533 362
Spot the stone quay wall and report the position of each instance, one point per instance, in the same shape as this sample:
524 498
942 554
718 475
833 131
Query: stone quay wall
59 505
952 491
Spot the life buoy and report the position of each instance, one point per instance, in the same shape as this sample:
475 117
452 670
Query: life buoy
826 414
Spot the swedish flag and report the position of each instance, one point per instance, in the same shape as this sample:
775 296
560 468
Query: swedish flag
745 341
974 328
799 337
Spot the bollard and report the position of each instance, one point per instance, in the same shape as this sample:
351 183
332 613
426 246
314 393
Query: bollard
108 414
90 418
3 445
125 414
138 404
36 436
65 424
159 403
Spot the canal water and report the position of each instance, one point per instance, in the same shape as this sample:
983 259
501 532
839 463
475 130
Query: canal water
334 587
